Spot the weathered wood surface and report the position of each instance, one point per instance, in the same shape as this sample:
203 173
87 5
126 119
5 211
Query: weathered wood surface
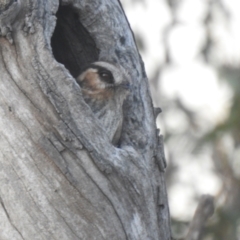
60 177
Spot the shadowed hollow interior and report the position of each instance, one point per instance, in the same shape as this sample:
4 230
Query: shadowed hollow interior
71 43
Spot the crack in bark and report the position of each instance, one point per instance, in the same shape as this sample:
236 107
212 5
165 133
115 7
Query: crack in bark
9 218
21 90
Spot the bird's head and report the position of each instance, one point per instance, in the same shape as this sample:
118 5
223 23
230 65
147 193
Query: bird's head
103 80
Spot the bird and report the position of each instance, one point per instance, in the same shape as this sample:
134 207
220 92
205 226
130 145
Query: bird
104 87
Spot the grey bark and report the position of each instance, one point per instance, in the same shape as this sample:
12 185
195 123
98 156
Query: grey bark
60 177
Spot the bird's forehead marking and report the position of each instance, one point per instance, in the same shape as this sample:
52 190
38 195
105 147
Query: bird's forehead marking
91 79
91 76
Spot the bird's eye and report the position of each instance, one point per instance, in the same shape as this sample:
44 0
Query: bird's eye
106 76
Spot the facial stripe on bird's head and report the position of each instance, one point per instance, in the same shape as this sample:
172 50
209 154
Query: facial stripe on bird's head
116 71
105 75
90 80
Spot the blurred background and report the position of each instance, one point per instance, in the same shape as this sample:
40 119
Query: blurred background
191 50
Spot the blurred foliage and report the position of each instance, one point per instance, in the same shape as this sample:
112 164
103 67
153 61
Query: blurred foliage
231 125
227 216
223 139
226 221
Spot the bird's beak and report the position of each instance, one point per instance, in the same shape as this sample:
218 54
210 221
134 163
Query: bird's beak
126 86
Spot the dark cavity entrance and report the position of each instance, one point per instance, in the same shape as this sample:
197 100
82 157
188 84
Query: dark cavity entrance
71 43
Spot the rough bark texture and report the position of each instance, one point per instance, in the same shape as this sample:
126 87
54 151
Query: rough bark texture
60 177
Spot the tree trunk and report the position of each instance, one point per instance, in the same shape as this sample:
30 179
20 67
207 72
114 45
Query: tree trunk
60 177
